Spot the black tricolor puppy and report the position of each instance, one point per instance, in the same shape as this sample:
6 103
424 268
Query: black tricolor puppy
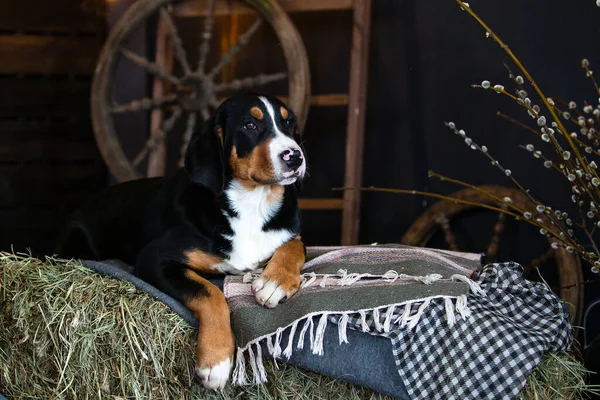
231 209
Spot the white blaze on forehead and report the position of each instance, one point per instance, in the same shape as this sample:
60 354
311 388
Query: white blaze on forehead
271 113
280 143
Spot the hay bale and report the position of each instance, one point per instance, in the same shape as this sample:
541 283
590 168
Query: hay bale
68 332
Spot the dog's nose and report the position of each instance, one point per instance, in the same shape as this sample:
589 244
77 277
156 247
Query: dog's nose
292 158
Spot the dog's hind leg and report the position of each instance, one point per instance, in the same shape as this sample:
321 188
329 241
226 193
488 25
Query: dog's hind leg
215 348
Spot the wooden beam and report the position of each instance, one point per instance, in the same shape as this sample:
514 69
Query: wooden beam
164 57
42 97
55 149
328 100
318 100
54 15
359 62
22 131
198 8
324 100
320 204
41 54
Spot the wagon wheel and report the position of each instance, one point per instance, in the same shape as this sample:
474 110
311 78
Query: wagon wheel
190 97
443 215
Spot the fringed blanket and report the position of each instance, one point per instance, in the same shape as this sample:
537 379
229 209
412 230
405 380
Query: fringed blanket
454 335
394 284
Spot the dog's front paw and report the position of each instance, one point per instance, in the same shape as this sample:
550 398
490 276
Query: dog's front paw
274 286
215 377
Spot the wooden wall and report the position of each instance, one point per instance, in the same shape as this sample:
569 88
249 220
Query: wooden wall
48 157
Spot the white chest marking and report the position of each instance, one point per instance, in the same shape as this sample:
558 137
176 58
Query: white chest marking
250 244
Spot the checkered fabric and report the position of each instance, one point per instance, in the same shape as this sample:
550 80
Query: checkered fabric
488 355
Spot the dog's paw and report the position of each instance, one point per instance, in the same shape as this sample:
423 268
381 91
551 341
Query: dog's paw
274 286
215 377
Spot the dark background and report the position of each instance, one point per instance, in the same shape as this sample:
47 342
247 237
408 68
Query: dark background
424 57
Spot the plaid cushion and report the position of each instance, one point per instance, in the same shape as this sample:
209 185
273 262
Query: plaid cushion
488 355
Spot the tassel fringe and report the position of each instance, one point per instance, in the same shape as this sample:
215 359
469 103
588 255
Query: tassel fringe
404 315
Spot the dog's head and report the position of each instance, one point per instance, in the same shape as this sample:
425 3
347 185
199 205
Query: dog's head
251 138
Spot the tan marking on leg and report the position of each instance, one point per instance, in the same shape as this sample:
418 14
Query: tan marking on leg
215 337
284 112
288 258
203 262
257 113
281 277
254 169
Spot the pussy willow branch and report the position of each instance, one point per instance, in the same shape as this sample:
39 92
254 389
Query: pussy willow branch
430 194
591 76
475 188
511 205
530 80
530 129
583 226
466 202
555 144
576 111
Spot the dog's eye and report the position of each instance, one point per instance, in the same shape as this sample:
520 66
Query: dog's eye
250 126
289 122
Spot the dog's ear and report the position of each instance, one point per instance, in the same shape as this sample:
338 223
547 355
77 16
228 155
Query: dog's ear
204 158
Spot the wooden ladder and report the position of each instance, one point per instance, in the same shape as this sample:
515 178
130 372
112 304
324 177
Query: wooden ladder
355 99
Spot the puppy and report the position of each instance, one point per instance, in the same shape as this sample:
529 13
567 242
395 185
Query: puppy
231 209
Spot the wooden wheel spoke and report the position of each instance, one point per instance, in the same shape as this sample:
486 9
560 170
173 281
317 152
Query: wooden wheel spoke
205 113
492 250
187 135
176 40
206 36
449 236
149 66
157 137
241 42
145 103
245 83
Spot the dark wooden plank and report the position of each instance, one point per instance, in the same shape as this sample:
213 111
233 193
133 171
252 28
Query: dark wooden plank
50 186
42 54
34 96
52 176
197 8
12 131
52 196
50 149
359 62
54 15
